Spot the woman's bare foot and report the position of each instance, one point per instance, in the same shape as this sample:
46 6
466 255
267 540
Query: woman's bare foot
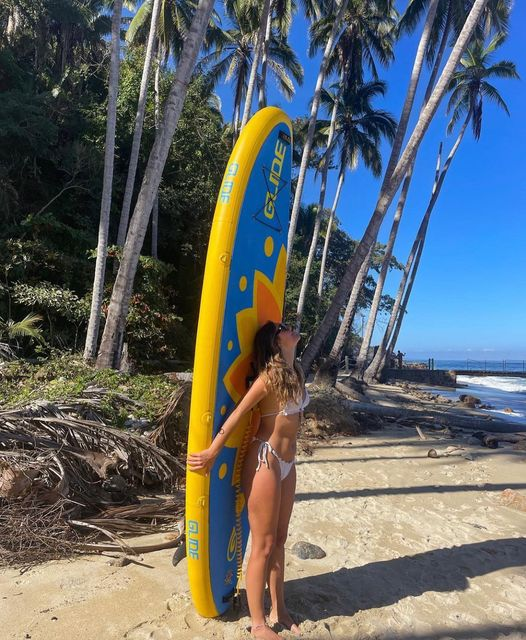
284 619
263 632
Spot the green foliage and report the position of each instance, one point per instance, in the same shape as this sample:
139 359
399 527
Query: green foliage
65 376
153 329
53 78
25 328
54 299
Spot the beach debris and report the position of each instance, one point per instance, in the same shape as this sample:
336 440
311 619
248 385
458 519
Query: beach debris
330 414
485 439
455 450
513 499
307 551
121 561
421 434
171 432
66 481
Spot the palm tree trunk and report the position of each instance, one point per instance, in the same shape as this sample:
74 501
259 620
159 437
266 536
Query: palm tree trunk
378 362
361 362
387 193
262 99
237 109
155 227
401 131
120 298
92 335
157 116
399 308
317 223
312 125
411 91
328 233
260 42
350 310
139 122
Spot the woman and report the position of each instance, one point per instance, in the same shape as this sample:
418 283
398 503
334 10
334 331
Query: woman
269 474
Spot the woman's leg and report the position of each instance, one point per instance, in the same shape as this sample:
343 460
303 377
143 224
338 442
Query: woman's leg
276 574
262 493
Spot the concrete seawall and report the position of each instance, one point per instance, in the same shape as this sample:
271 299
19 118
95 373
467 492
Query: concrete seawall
436 377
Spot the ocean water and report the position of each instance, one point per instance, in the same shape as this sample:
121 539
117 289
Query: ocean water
501 392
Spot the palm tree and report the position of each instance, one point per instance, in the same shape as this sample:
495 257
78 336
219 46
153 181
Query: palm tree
109 353
258 48
233 58
175 17
139 121
166 21
280 18
359 32
339 7
392 182
359 128
348 316
100 265
469 86
367 35
279 21
450 14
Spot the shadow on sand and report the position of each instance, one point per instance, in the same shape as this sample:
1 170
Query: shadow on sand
379 584
394 491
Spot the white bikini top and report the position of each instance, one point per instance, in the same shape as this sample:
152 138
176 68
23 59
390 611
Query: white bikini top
291 407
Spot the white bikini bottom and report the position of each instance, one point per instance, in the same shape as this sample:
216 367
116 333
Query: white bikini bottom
263 451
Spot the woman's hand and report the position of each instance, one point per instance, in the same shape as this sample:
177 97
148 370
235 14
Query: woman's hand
201 461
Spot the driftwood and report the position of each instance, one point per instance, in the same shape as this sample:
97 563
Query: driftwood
421 434
444 417
446 453
136 547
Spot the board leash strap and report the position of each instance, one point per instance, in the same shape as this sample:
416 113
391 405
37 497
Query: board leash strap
237 480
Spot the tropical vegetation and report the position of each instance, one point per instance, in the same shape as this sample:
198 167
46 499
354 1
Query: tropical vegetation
113 142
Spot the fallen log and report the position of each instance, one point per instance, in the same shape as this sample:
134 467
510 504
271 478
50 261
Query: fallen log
445 453
134 547
445 417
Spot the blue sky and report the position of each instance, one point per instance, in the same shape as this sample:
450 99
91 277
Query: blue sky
469 297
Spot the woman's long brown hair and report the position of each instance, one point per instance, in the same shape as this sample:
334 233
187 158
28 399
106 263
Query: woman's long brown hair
286 381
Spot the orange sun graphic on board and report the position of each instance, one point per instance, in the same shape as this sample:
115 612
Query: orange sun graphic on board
267 304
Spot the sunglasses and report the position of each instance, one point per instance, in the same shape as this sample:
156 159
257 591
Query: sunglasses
281 327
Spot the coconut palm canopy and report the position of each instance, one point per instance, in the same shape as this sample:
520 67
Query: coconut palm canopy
359 126
470 84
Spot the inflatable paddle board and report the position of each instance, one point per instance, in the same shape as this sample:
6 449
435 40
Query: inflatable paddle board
243 287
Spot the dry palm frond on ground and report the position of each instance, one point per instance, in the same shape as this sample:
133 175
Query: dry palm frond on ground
61 473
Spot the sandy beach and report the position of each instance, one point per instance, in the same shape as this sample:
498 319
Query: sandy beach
417 548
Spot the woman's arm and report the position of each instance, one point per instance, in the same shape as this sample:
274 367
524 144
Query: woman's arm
205 459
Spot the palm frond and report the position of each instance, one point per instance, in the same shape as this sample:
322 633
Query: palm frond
488 91
285 84
25 328
139 22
